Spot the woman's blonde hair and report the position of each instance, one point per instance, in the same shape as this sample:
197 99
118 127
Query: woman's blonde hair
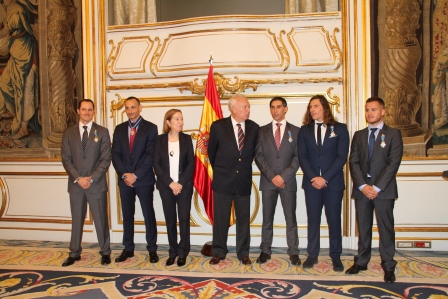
168 116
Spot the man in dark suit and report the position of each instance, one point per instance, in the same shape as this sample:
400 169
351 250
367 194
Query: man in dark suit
231 150
86 158
276 157
323 148
375 157
133 158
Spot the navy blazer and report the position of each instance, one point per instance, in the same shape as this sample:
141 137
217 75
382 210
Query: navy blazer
162 161
385 161
232 172
141 160
329 163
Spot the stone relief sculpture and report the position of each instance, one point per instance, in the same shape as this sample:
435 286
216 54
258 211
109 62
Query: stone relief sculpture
403 55
19 98
439 82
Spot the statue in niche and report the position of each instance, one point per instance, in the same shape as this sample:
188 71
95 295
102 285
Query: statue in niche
19 94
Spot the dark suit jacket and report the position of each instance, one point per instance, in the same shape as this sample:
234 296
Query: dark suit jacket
141 160
330 162
384 164
162 161
94 161
232 172
272 162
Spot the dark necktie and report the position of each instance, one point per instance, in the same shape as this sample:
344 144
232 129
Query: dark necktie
85 137
371 144
240 138
277 136
319 136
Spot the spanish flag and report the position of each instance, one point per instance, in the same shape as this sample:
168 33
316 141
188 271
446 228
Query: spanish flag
203 175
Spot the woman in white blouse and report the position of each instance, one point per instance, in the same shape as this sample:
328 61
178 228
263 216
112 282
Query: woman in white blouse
174 167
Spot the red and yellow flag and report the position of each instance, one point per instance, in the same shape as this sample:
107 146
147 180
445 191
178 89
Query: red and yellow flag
203 175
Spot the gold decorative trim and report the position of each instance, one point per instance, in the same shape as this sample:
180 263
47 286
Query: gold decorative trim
332 43
419 174
112 57
228 18
226 85
3 188
204 217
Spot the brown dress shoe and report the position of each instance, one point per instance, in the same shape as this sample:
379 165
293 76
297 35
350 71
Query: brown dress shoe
246 260
215 260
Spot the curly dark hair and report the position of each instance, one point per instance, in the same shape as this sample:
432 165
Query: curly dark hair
328 115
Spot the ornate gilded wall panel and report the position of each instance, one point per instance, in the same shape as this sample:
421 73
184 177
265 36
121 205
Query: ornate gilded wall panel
286 48
130 55
323 52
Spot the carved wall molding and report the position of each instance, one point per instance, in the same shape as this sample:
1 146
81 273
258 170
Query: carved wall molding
258 46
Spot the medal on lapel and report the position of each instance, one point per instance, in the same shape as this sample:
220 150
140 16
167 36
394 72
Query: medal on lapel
383 144
95 133
289 135
332 134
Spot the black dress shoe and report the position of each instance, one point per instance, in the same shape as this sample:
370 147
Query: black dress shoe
153 257
355 269
263 258
170 261
389 276
105 260
246 260
124 256
310 262
181 261
295 260
216 259
70 261
337 265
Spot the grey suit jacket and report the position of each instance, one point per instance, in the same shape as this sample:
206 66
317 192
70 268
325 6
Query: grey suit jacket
272 162
94 161
385 161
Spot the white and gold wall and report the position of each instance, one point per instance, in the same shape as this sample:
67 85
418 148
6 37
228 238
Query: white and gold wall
166 64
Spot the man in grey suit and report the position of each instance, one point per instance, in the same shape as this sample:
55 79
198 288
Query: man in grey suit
276 157
86 156
375 156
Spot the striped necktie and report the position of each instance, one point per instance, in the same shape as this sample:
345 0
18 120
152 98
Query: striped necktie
240 138
277 136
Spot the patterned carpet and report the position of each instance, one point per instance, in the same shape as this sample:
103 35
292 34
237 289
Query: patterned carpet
32 270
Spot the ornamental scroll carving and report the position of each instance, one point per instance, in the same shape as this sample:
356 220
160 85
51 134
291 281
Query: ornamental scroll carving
403 55
61 50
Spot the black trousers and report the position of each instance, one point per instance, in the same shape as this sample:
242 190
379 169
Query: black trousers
222 208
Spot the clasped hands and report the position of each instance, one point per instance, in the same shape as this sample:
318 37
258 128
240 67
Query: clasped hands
369 192
176 187
129 179
84 182
278 182
319 182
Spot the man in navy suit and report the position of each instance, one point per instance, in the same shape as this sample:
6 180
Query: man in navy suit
276 157
133 158
375 157
231 150
323 146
